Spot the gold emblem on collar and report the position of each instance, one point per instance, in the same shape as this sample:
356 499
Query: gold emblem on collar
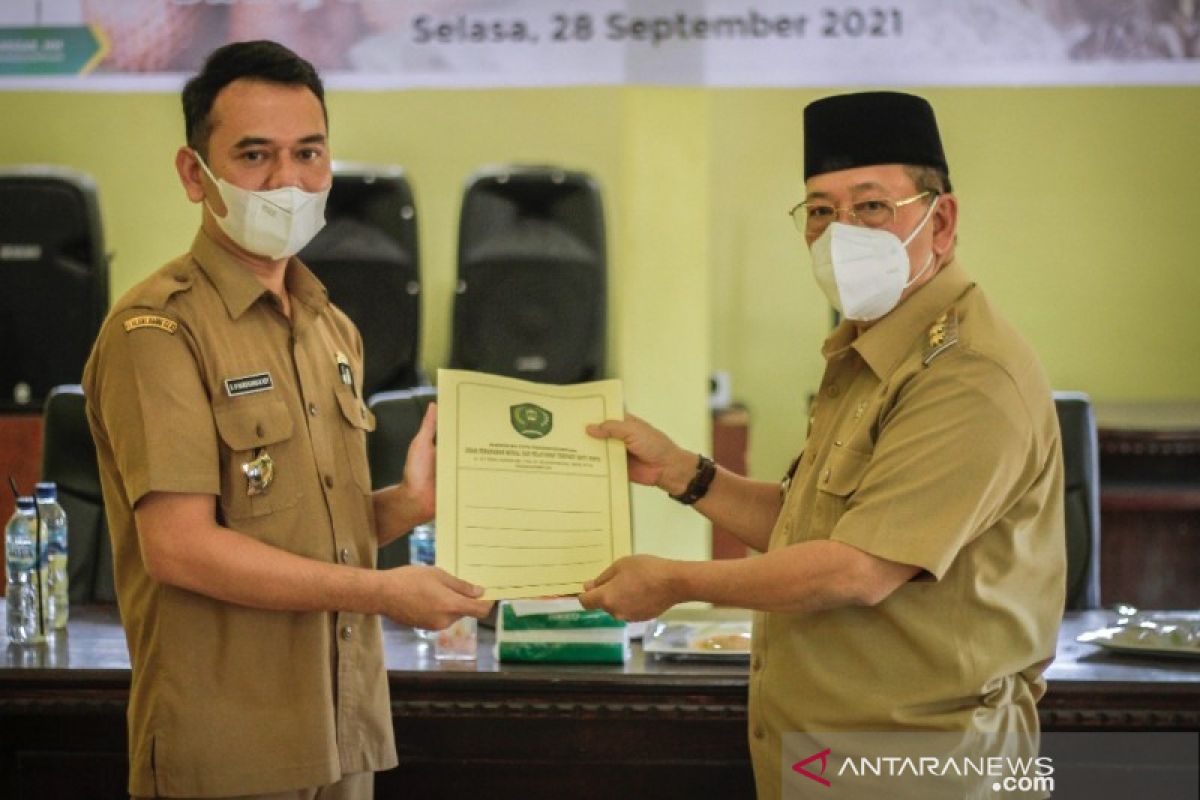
937 334
943 334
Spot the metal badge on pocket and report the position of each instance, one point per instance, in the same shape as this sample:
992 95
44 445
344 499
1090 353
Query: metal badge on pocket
347 374
259 473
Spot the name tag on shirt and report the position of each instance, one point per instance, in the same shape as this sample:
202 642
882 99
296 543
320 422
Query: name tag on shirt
248 384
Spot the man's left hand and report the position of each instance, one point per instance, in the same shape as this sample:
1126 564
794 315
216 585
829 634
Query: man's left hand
634 588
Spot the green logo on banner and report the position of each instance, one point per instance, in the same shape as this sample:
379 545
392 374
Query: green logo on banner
532 422
68 50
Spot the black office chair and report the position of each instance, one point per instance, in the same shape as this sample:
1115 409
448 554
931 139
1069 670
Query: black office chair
1082 503
398 416
69 459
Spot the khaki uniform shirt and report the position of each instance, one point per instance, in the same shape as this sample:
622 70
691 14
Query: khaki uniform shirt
196 373
933 442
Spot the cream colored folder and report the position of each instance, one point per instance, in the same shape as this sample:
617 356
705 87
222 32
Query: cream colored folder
528 504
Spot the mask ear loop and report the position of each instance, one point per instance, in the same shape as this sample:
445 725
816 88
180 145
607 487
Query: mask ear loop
204 166
911 236
924 219
215 182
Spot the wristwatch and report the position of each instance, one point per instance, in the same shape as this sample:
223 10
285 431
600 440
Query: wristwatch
706 470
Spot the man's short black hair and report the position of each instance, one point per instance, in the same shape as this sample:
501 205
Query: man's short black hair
259 60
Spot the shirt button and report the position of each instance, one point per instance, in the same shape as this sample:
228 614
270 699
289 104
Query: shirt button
838 443
312 409
344 555
825 475
328 481
347 633
832 390
759 733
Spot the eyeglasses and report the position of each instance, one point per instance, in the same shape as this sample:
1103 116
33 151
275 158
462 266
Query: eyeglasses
813 217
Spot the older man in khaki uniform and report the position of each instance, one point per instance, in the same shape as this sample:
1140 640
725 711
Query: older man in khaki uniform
224 395
913 570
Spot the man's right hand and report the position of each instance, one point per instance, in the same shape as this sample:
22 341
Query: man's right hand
430 598
654 460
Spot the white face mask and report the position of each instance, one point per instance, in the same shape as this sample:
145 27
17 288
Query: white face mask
276 223
863 271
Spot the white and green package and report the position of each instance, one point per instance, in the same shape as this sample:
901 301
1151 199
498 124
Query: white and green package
559 630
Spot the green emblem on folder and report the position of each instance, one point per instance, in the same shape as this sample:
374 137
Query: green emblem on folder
532 422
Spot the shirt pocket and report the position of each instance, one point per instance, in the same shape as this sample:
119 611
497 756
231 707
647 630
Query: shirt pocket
837 482
359 421
250 429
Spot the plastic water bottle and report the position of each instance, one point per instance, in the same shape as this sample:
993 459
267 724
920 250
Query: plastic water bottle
422 545
422 549
55 520
25 565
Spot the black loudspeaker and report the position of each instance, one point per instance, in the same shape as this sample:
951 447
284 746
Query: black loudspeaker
367 257
53 281
530 300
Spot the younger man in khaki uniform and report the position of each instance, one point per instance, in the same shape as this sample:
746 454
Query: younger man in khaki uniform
913 568
224 395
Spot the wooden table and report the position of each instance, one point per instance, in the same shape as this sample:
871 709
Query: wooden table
645 729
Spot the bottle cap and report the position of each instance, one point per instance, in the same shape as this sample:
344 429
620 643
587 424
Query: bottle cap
46 490
25 503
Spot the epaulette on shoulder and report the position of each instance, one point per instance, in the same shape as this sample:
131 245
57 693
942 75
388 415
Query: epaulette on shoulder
942 335
157 290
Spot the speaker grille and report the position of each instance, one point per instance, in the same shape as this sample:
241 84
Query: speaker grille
532 283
